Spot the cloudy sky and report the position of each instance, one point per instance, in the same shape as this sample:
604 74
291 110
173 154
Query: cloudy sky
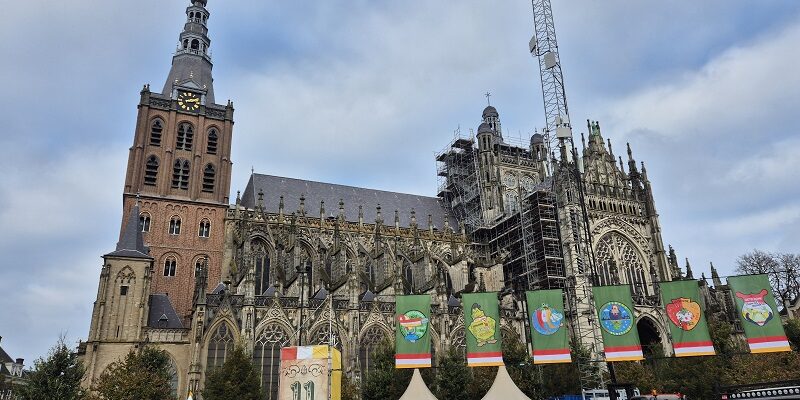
364 92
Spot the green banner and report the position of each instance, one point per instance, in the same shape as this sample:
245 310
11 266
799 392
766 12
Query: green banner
755 305
548 327
413 339
617 323
482 324
687 319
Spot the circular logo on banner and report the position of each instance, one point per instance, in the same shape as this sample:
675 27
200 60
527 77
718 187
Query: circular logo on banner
413 325
546 320
616 318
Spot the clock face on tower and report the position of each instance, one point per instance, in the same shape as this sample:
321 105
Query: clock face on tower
188 101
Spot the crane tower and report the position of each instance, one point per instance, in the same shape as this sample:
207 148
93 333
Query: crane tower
565 169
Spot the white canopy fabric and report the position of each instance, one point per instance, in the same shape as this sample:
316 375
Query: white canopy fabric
504 388
417 390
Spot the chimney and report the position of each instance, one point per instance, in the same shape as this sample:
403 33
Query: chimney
20 361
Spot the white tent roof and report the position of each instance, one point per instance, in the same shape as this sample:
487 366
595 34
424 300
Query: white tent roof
417 390
504 388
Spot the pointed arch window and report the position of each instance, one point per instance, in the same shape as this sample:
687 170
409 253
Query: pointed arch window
185 136
619 261
211 148
173 378
144 222
180 174
170 266
155 132
175 225
151 171
205 229
209 176
220 344
199 263
267 357
262 266
371 340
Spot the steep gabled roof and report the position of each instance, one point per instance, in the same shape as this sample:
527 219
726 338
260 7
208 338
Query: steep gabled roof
162 313
131 243
292 189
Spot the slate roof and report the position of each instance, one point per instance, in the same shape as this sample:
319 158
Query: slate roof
4 357
292 189
162 314
131 242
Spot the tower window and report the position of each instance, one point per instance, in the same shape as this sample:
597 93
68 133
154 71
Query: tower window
151 171
185 137
123 290
199 264
209 176
180 174
212 141
205 229
195 44
155 133
186 44
144 222
175 225
170 266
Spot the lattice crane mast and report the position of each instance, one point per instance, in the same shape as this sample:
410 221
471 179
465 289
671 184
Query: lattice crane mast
565 169
544 47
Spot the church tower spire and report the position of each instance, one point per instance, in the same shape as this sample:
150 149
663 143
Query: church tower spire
191 64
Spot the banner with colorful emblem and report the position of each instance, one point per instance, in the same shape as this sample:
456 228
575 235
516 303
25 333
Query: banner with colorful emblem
549 338
482 322
310 372
413 341
617 324
755 305
688 324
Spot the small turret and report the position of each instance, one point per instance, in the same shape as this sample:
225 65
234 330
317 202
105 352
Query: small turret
689 274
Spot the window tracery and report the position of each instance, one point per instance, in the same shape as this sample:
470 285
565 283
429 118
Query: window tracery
220 344
267 357
371 340
618 261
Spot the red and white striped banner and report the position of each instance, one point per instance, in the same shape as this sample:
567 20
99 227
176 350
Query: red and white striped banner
413 360
488 359
551 356
768 344
689 349
624 353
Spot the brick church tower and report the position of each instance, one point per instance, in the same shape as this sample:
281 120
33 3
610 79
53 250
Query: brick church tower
180 167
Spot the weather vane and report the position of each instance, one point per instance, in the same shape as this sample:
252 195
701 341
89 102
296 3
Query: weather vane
488 94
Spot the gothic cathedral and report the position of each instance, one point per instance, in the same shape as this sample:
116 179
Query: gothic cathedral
296 262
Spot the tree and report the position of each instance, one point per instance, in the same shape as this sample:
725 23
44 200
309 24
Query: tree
236 379
56 377
783 270
792 329
350 389
141 375
384 381
452 376
522 371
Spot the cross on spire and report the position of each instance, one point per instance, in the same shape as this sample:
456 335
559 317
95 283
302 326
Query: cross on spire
488 94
